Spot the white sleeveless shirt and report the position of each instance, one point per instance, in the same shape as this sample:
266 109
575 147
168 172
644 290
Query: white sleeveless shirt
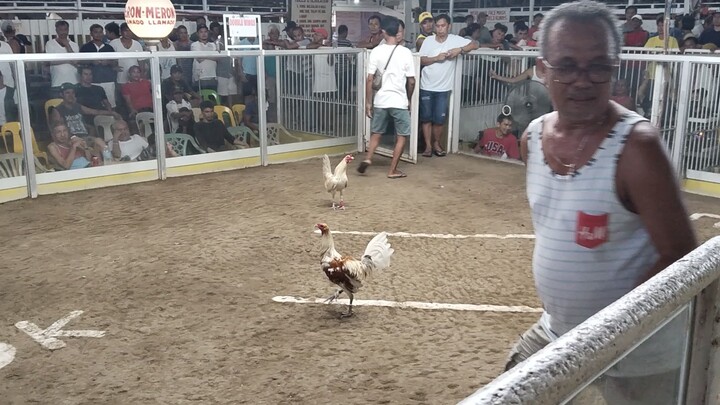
589 249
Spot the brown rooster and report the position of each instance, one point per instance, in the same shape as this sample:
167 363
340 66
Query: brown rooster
347 272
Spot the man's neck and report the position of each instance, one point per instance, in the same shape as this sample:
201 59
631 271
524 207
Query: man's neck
98 42
441 38
390 40
86 84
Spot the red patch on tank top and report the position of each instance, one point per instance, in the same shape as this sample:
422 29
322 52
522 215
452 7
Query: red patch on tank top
591 230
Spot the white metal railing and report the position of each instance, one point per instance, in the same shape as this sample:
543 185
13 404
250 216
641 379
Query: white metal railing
271 140
678 93
555 374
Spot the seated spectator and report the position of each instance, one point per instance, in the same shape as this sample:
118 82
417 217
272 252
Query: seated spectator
137 93
71 113
250 115
8 103
103 69
637 36
128 147
621 95
67 152
173 108
177 80
91 95
186 121
212 134
712 34
499 142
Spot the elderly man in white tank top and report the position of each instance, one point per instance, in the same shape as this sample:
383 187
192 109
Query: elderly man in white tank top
605 204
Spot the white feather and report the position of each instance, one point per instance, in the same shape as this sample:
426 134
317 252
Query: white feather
379 251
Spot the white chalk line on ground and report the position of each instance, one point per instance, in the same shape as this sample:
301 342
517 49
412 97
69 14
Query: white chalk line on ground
411 304
696 216
438 235
693 217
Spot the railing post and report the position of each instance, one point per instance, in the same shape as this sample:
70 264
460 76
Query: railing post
26 130
156 82
701 387
681 118
262 113
453 129
361 130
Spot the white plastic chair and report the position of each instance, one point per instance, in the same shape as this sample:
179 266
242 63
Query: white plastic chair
144 121
104 122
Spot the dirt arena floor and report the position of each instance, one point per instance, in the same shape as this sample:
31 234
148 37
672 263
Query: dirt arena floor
181 274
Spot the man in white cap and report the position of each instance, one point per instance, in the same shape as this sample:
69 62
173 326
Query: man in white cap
637 36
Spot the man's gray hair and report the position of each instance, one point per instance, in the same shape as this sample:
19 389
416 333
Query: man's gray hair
587 12
273 27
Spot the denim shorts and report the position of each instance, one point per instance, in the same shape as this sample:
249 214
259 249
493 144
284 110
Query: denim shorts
434 106
382 117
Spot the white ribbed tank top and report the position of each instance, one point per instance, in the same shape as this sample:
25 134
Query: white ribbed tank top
589 250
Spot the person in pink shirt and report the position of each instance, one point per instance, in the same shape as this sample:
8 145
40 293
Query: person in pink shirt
499 142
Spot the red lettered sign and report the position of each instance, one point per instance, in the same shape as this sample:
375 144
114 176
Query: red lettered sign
591 230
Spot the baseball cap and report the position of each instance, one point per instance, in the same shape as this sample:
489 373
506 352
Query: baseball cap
322 31
637 17
424 16
175 69
67 86
7 26
289 27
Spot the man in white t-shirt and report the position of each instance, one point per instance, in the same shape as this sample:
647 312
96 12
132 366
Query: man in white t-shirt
62 71
438 55
392 100
204 70
5 68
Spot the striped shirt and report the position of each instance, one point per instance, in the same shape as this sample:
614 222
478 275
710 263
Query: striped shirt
589 249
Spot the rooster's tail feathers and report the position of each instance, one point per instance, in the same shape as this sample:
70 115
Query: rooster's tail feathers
327 169
379 251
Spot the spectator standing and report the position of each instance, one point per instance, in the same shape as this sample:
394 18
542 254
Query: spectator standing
438 55
62 71
103 70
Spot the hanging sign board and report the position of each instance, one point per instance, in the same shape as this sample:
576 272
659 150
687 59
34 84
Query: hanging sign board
239 27
494 16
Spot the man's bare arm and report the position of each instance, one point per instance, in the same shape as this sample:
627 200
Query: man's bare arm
647 186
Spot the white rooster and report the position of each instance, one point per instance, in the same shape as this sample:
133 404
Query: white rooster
347 272
336 182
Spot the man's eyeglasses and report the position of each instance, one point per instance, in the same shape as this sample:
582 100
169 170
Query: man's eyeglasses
597 73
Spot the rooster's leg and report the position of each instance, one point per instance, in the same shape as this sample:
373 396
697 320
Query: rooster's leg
334 206
349 312
342 202
334 296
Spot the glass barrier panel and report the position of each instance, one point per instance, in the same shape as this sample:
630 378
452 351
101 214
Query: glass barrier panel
312 101
649 374
211 119
494 87
97 122
13 183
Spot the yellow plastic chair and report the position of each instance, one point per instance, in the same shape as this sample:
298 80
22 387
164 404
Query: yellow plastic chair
239 111
210 95
49 106
221 111
14 128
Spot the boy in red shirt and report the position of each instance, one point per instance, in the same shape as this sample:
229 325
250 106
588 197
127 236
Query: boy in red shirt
499 142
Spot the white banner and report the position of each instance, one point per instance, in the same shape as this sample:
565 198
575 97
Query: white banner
238 27
495 15
310 14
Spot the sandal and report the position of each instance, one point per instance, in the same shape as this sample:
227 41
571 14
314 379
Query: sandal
439 152
398 175
427 154
363 166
